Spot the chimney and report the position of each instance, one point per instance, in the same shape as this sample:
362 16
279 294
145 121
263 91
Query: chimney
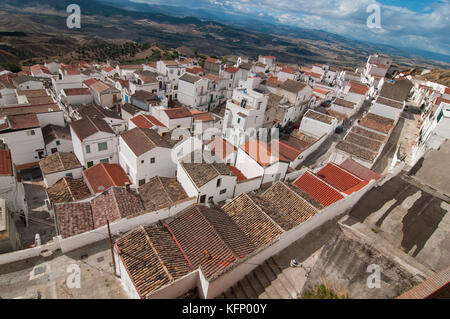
127 186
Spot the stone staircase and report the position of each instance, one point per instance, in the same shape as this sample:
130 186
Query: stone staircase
270 280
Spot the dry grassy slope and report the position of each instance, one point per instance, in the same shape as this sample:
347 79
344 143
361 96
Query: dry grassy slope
209 38
439 76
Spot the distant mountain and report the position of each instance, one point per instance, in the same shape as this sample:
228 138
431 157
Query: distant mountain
44 23
269 25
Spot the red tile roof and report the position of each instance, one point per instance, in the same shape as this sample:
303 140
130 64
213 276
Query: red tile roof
267 57
287 70
358 88
5 163
262 153
221 147
341 179
317 189
178 112
108 69
146 121
89 82
232 69
359 170
240 176
103 176
81 91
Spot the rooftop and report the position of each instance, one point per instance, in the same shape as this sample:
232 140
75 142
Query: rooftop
59 162
6 168
162 192
262 153
52 132
388 102
293 86
318 189
103 176
146 121
89 126
202 173
68 190
340 178
356 150
319 117
142 140
177 113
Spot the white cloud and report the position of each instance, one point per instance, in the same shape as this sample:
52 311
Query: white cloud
400 26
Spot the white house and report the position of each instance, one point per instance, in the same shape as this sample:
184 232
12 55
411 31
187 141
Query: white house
25 82
145 154
256 158
78 96
387 108
68 78
94 141
117 124
24 137
318 124
59 165
172 118
212 182
245 109
57 139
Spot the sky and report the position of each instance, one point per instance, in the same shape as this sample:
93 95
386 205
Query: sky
403 23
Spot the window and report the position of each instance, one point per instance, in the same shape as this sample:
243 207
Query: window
211 198
54 150
152 160
69 175
58 143
32 132
102 146
90 164
223 191
219 182
142 161
141 182
105 160
238 120
88 149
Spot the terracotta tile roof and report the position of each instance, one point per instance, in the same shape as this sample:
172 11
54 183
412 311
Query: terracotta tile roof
212 60
103 176
358 88
359 170
377 123
5 163
314 75
115 203
109 69
398 91
262 153
52 132
267 57
202 173
152 258
59 162
232 69
131 109
363 141
356 150
74 218
203 117
146 121
319 117
288 208
252 220
340 178
89 126
317 189
221 147
170 63
67 190
101 87
195 70
81 91
95 111
288 151
131 66
162 192
189 78
177 113
90 82
210 239
287 70
372 135
142 140
338 115
321 91
292 86
23 121
344 103
31 108
240 176
391 103
435 286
